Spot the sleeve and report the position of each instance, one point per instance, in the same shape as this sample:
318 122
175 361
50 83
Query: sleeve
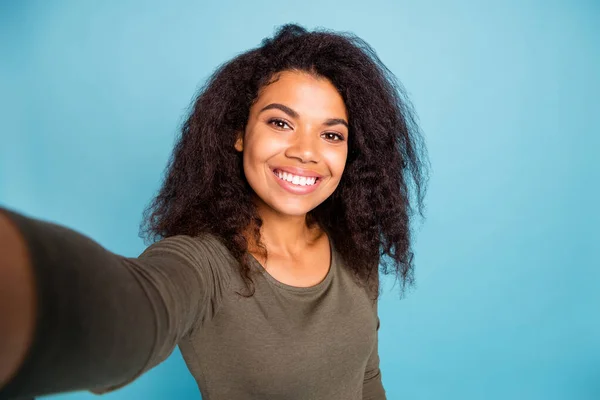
372 385
104 319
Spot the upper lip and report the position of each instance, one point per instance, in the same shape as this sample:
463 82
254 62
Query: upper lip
298 171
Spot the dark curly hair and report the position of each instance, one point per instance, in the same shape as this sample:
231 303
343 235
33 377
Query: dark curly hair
367 217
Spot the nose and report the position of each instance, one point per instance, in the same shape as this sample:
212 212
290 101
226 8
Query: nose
304 147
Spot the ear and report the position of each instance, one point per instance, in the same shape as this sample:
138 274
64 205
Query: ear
239 142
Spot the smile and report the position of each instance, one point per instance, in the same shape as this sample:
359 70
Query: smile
296 184
296 179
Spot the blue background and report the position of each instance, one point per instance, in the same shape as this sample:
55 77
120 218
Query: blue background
508 280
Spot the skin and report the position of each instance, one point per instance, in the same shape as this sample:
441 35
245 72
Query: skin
310 132
17 286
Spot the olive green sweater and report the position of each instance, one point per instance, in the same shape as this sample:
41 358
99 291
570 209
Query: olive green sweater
105 319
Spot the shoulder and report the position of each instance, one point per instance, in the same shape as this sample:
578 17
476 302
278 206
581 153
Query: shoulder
202 247
205 254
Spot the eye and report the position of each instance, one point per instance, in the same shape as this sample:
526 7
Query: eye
332 136
279 123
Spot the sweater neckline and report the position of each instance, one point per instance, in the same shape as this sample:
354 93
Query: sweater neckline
302 289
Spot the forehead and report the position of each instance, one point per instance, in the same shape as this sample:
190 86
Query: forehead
306 93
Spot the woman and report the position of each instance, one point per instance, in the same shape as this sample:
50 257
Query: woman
291 182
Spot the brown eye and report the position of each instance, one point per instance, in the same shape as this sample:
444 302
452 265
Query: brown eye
278 123
334 137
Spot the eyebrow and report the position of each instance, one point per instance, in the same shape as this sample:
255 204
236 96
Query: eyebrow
294 114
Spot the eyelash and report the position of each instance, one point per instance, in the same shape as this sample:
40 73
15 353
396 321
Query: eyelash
275 121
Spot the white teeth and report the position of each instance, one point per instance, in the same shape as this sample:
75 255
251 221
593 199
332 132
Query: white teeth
295 179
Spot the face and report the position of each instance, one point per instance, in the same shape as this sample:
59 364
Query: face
295 144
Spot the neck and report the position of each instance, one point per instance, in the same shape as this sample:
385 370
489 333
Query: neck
284 235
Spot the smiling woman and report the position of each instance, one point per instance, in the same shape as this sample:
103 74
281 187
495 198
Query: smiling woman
291 183
296 133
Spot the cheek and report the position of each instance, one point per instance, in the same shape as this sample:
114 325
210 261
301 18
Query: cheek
336 159
253 154
261 145
259 149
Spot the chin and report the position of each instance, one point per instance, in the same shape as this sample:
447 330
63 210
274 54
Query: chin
290 209
293 211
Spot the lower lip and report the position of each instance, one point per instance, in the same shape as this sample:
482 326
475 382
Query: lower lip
296 189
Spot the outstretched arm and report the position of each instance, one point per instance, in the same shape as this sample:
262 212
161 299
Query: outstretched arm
100 319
